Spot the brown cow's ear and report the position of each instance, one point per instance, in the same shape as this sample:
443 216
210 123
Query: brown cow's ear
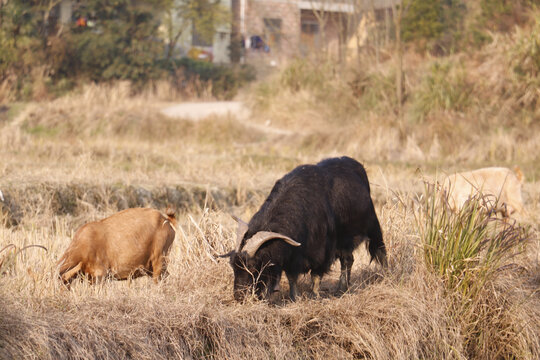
256 241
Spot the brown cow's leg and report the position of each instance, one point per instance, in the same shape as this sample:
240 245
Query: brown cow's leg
162 243
157 268
97 275
66 277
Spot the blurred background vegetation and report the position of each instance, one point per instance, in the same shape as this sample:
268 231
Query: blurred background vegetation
39 59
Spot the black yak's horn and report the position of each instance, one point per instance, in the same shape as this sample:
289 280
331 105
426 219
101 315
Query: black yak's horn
240 232
256 241
229 254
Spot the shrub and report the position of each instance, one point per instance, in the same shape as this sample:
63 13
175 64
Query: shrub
502 15
374 90
223 80
264 94
526 53
26 48
525 62
423 20
445 88
468 247
434 24
301 74
327 85
19 37
335 94
123 42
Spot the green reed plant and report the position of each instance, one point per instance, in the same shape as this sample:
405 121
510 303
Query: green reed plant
466 248
471 250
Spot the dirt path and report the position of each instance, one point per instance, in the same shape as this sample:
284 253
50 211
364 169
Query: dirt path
196 111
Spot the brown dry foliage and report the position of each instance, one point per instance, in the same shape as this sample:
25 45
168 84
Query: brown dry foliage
401 313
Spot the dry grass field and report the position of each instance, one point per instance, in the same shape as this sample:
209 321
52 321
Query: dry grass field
98 150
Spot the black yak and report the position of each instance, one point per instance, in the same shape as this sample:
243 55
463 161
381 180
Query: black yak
313 214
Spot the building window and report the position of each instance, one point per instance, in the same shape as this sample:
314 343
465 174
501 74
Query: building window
309 36
310 28
272 32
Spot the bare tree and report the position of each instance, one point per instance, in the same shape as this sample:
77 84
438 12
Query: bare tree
387 26
344 22
202 15
375 32
399 9
355 13
46 6
173 28
367 26
358 14
320 9
236 36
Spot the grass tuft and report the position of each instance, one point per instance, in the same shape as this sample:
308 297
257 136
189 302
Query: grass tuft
473 252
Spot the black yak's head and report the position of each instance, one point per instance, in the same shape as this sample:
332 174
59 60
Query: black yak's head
251 276
254 272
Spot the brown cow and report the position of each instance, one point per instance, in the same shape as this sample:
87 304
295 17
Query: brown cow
130 243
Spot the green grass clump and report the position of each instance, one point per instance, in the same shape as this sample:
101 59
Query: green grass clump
374 90
472 251
301 74
468 247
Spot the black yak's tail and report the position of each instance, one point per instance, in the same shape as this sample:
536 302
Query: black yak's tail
377 250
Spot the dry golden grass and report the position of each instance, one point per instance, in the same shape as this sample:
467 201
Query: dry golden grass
86 155
401 313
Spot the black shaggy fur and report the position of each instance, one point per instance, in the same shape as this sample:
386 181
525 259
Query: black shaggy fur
355 219
327 208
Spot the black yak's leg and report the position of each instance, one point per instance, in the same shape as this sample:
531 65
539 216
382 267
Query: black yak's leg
346 260
273 291
316 282
293 288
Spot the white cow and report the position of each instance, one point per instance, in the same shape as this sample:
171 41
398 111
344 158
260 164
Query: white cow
500 185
